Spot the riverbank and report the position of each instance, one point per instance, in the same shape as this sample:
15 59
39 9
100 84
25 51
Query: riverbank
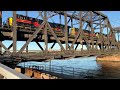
110 57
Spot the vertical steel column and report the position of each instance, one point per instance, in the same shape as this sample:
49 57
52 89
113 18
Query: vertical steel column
92 30
28 34
45 33
108 38
81 31
89 42
118 40
66 30
14 33
101 35
60 23
71 25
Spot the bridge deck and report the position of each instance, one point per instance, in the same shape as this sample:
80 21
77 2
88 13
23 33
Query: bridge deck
23 35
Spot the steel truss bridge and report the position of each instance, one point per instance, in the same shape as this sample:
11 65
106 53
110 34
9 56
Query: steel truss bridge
86 20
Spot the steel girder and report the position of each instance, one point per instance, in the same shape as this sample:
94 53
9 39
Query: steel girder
89 19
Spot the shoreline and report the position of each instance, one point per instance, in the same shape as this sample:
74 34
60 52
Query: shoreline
111 57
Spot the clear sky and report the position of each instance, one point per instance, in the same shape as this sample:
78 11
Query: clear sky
114 17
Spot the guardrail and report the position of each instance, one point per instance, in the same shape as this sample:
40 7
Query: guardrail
9 73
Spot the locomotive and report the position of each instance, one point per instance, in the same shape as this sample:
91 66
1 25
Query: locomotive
74 32
87 33
24 22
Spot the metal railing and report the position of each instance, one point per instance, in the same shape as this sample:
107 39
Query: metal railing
62 71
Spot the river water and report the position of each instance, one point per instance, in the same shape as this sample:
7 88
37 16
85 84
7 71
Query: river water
85 67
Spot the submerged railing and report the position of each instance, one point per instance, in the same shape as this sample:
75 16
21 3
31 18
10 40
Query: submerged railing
63 71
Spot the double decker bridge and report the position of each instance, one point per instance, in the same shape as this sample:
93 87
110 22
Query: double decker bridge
73 25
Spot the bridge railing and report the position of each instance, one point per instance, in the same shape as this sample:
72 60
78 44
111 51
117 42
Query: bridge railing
61 70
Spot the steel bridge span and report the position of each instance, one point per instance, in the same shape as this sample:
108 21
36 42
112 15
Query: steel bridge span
93 21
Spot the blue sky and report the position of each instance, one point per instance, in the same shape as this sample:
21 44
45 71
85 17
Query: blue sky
114 17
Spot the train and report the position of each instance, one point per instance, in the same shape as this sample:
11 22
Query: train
87 33
30 23
74 32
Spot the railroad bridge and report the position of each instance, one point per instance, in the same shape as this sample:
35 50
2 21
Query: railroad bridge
68 31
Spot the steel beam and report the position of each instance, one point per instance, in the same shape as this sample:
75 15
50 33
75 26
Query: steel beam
71 16
8 48
100 36
39 46
53 45
32 37
58 41
99 13
108 43
14 33
92 30
45 33
66 30
80 29
76 46
28 34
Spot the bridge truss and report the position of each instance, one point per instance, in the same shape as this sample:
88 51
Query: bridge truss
85 20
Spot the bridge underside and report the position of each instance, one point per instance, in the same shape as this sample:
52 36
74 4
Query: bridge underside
93 21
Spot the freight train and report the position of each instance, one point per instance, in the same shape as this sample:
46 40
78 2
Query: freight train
88 34
29 23
25 22
74 32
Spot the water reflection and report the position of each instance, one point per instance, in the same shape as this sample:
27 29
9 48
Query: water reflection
109 70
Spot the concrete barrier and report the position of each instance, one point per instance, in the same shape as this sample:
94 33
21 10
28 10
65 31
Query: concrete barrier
9 73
